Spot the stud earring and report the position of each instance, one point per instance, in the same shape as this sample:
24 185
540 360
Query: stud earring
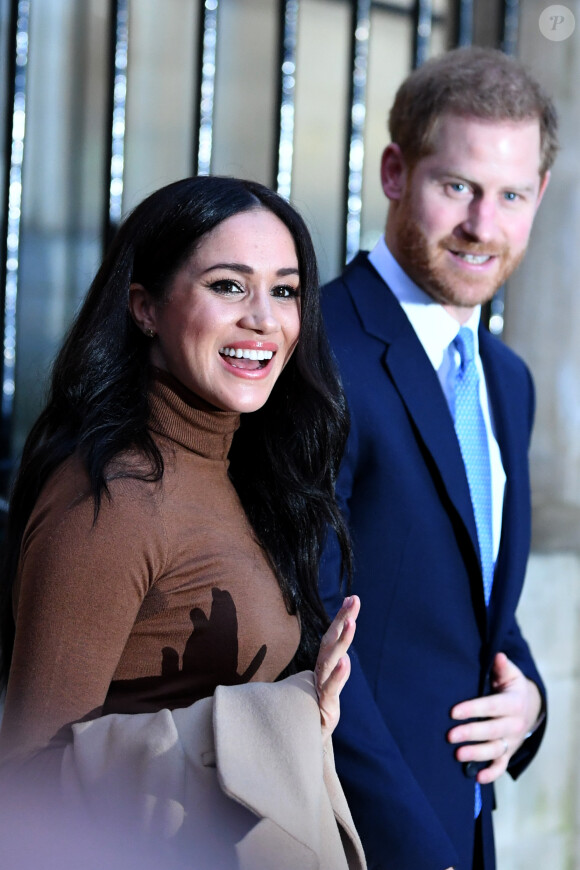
150 333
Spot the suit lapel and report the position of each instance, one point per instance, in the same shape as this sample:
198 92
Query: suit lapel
510 421
416 381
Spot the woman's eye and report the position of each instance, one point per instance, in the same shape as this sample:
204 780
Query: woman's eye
226 287
286 291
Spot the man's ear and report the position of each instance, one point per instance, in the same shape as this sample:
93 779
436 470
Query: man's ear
393 172
142 309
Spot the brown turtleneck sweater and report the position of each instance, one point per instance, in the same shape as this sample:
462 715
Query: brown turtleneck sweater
167 596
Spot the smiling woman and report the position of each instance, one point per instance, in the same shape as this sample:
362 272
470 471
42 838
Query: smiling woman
165 532
235 300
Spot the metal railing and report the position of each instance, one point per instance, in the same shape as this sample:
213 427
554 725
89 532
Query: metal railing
361 16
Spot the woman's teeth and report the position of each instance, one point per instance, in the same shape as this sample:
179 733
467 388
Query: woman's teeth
247 354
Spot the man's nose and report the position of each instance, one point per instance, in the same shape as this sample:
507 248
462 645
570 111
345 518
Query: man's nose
481 220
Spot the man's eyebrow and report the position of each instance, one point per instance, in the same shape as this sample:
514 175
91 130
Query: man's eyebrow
448 172
525 187
247 270
521 188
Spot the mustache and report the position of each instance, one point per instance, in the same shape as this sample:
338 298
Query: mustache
477 249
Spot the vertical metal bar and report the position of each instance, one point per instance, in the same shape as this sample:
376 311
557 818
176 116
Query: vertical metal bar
361 27
464 27
119 24
423 15
16 126
493 313
510 25
206 80
286 96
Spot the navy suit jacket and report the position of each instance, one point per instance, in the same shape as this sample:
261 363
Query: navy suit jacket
425 640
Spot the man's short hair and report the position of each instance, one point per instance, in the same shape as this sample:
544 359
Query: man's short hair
470 82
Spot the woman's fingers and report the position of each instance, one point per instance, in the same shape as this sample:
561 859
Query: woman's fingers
337 639
333 664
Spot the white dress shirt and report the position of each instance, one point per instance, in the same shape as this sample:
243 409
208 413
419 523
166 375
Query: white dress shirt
436 330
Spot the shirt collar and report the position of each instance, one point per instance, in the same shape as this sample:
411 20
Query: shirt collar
435 328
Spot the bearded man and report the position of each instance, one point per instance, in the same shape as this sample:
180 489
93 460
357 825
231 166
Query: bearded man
444 695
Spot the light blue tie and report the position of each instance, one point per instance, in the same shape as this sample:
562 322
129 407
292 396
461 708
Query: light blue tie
472 437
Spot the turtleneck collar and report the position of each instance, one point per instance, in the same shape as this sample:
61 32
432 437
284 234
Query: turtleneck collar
185 418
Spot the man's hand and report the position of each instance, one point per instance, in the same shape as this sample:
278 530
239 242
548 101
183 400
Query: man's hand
507 716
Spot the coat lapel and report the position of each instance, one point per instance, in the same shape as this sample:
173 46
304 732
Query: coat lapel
269 758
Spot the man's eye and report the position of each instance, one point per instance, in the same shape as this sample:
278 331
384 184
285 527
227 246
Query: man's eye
458 187
511 196
227 288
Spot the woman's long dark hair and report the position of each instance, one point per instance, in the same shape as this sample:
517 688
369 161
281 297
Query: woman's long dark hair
284 457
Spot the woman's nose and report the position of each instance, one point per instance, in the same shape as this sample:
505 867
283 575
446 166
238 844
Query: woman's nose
260 315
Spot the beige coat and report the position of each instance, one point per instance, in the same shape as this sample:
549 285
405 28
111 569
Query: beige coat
237 780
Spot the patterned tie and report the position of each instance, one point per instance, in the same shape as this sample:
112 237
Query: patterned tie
472 437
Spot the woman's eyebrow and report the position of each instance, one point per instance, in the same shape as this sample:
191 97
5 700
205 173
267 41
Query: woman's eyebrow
247 270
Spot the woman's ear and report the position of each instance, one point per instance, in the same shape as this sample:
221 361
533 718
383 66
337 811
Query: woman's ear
142 309
393 172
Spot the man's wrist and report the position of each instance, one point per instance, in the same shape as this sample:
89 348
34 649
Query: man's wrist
537 723
537 708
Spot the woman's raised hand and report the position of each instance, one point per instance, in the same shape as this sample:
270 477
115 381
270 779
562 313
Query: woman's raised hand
333 664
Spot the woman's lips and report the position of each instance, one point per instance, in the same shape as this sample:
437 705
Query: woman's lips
248 357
